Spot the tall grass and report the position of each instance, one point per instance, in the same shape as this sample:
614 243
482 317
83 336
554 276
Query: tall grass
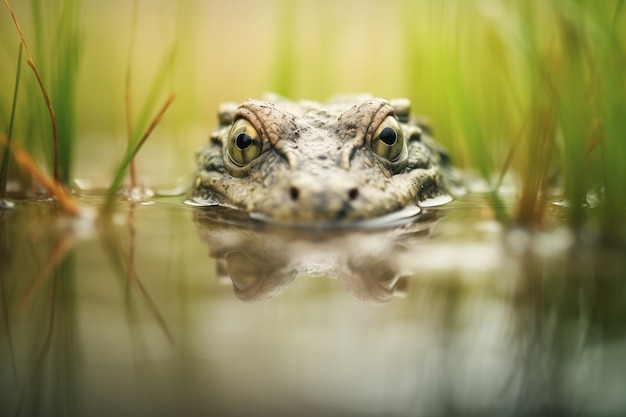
131 151
41 87
56 27
140 129
56 52
532 88
529 92
4 167
57 33
64 63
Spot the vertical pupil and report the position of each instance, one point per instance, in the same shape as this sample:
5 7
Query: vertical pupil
388 136
243 141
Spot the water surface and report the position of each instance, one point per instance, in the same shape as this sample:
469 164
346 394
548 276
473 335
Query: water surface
176 310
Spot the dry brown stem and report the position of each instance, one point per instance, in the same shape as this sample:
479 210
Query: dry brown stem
55 189
31 63
154 123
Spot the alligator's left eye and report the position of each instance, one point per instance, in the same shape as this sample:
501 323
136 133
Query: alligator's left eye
388 140
244 143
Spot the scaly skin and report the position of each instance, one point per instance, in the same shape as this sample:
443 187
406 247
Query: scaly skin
318 163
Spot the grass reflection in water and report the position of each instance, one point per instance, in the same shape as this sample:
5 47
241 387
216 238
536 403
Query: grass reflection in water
447 315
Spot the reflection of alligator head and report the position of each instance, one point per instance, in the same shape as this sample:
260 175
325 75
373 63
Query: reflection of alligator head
261 260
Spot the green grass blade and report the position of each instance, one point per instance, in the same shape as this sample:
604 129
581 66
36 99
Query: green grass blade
142 127
131 151
5 159
65 85
164 69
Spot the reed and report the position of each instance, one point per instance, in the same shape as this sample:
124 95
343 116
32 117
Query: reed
138 131
131 150
579 79
128 90
44 92
529 89
4 169
56 50
64 62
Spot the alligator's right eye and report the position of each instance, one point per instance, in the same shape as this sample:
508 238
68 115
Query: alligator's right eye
244 143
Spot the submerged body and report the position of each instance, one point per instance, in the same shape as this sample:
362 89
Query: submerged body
350 159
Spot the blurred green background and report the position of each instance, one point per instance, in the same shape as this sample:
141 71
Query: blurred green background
535 90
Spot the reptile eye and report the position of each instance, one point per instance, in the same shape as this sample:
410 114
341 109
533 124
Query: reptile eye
244 143
388 140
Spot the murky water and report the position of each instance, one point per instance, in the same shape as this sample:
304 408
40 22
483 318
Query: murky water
166 311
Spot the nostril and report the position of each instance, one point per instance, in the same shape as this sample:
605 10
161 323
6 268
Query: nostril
294 193
353 193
